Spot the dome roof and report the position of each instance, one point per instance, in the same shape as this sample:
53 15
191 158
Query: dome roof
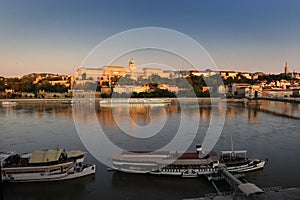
131 62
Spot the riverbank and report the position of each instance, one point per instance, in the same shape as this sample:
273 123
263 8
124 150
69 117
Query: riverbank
97 100
205 99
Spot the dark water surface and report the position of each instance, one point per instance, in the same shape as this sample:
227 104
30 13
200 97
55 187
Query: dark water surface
28 127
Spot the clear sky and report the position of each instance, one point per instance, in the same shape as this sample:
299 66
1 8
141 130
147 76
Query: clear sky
55 35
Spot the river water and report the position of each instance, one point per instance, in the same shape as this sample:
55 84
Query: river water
28 127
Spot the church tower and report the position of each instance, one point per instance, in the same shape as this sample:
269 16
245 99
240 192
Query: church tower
286 68
132 66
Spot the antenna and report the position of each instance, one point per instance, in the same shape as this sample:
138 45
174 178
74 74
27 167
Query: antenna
231 142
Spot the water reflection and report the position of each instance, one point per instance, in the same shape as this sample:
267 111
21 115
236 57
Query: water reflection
73 189
27 127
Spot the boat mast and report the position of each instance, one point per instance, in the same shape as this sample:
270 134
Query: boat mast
231 143
231 146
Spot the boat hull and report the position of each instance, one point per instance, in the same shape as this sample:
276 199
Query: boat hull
42 177
249 167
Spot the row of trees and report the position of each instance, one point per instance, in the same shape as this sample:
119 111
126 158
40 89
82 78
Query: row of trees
26 85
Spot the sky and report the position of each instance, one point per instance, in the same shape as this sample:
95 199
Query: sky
56 36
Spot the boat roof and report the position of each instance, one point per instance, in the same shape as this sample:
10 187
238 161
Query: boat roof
4 155
45 156
234 152
165 157
75 153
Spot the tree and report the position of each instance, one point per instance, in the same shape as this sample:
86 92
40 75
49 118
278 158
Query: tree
26 85
155 79
126 80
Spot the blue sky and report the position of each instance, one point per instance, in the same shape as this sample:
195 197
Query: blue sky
55 36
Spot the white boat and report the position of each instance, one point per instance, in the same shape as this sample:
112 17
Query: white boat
132 101
71 102
157 101
44 165
188 164
237 161
9 103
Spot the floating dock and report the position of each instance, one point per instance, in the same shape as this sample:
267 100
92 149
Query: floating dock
270 194
247 191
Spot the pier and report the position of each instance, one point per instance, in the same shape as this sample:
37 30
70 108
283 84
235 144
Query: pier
246 188
239 187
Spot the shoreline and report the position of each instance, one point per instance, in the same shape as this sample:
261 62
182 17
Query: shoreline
184 99
60 100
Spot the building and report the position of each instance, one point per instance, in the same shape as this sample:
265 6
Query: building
277 93
170 88
286 68
205 73
240 90
60 82
152 71
88 74
132 66
134 73
127 89
112 74
246 75
227 74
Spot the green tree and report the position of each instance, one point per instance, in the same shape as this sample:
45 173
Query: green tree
125 80
26 85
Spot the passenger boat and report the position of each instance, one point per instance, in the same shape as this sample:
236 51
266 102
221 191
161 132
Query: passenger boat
189 164
44 165
237 161
133 101
9 103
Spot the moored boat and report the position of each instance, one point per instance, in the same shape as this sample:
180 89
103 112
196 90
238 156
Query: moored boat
186 164
9 103
133 101
44 165
237 161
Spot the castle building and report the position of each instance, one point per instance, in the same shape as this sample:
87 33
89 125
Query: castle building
134 73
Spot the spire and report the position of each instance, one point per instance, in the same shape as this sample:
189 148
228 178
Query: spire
132 66
286 68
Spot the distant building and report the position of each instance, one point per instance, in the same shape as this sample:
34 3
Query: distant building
240 90
124 89
286 68
111 74
227 74
276 93
170 88
134 73
246 75
60 82
88 74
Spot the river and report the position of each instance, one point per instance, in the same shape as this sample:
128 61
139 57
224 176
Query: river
31 126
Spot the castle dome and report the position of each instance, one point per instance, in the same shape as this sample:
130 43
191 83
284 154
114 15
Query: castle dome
131 62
